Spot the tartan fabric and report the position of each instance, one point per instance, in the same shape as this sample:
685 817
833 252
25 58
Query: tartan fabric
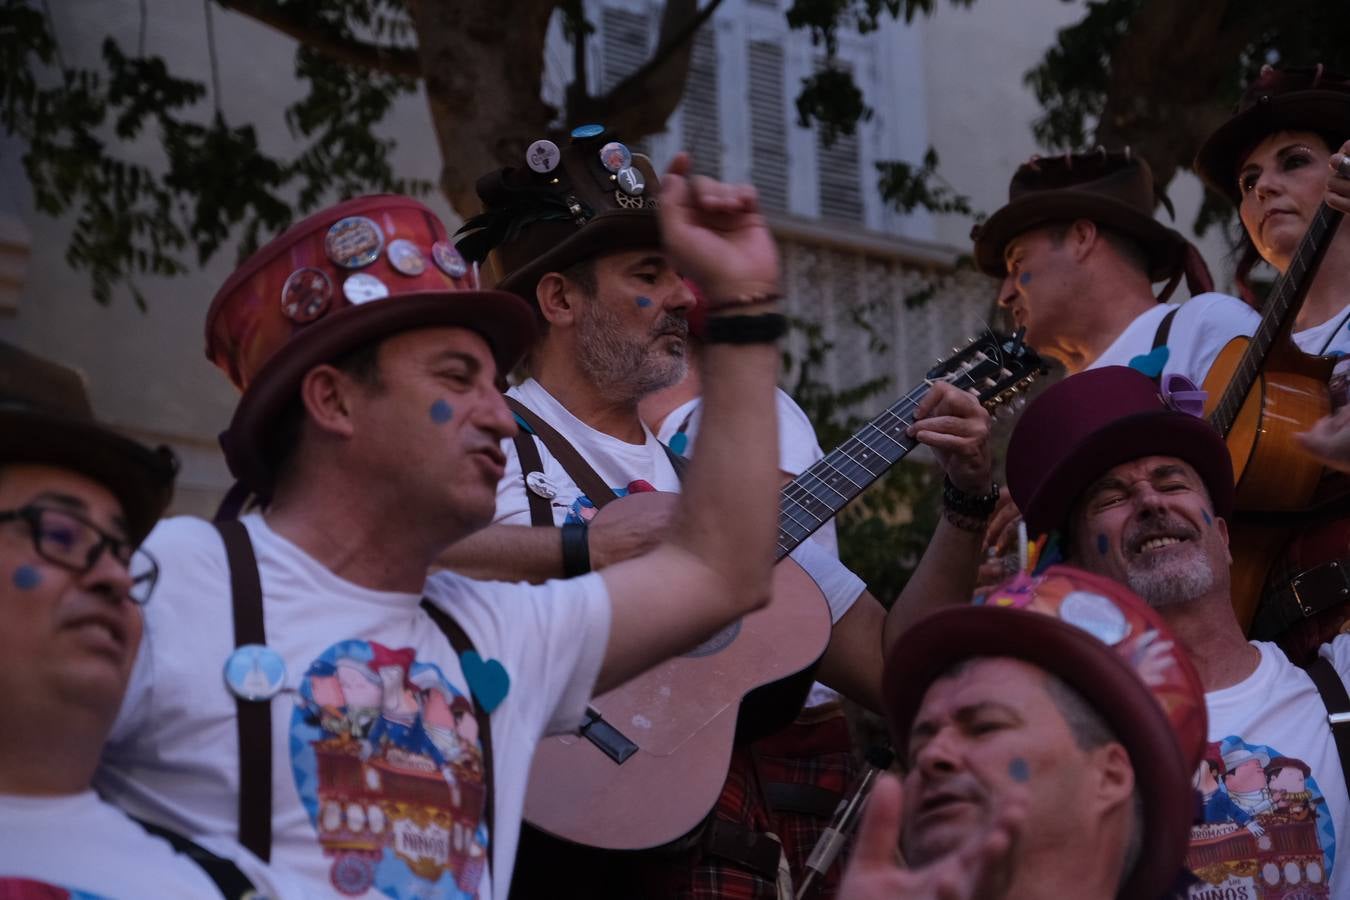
806 752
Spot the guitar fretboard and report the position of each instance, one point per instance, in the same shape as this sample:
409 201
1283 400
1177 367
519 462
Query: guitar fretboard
816 495
1285 298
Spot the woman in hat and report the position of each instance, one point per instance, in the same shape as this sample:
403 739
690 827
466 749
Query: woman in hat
1277 159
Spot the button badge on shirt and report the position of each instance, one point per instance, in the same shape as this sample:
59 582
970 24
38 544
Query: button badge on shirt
540 486
255 673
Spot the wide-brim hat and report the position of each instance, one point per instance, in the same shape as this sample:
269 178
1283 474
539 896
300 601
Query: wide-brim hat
1310 99
590 198
1106 643
1113 189
1085 425
46 418
352 274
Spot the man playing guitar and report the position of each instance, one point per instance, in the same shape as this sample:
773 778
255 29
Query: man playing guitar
579 241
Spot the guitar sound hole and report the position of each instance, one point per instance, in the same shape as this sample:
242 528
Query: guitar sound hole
717 643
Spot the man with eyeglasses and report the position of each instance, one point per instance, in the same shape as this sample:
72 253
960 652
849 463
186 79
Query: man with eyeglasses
75 502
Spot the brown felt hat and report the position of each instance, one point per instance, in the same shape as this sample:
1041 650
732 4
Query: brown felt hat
562 206
45 418
1101 639
354 273
1310 99
1113 189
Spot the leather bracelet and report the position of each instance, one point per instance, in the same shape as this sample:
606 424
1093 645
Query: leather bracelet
970 506
761 329
576 550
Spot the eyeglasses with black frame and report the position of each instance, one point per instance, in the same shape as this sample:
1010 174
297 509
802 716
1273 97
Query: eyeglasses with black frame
72 542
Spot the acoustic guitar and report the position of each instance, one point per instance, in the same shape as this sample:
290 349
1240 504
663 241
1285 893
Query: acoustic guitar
1262 391
650 761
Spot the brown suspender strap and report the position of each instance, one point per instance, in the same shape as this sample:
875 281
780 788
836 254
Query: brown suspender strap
461 644
1337 702
580 471
1164 330
541 511
253 719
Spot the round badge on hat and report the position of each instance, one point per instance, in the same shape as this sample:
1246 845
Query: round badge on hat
582 132
405 257
615 157
540 486
1096 615
631 181
363 288
448 260
354 242
306 294
543 156
255 672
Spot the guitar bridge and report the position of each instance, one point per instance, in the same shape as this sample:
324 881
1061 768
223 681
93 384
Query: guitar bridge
605 736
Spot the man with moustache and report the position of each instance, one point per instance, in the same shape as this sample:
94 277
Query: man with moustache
1127 481
76 499
1047 738
578 239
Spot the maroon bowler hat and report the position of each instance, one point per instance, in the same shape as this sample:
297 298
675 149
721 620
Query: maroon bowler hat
351 274
1091 422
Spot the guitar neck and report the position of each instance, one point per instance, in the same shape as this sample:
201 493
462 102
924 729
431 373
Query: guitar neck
1285 299
816 495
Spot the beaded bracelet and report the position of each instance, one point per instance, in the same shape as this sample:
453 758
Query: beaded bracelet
974 506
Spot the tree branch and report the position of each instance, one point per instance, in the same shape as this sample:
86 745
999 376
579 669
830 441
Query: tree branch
329 41
641 103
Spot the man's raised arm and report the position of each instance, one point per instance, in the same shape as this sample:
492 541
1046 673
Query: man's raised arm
715 565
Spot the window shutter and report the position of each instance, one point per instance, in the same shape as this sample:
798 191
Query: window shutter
839 176
624 44
702 122
768 125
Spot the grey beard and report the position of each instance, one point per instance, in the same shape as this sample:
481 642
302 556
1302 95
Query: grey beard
620 369
1180 581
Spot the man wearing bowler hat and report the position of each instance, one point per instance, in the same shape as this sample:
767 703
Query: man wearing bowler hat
577 237
1047 738
1121 476
1078 251
76 500
305 685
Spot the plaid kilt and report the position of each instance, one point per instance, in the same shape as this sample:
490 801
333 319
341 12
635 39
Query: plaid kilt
815 751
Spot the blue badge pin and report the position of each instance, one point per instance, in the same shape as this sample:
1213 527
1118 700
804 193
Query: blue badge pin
582 132
255 673
615 156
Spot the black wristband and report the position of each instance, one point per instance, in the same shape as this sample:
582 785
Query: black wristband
969 506
760 329
576 550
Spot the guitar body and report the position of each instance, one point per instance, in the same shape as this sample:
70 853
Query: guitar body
1271 472
682 715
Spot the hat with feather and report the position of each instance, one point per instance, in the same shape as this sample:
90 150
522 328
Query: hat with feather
590 198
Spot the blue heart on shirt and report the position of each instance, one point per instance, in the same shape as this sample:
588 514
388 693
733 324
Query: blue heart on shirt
487 679
1151 363
679 441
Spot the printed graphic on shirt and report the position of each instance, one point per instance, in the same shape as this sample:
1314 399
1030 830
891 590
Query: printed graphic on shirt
27 889
1267 832
388 763
583 510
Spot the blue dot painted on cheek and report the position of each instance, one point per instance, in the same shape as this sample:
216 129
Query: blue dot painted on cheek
1103 544
1019 770
442 412
1208 519
26 578
1024 278
644 302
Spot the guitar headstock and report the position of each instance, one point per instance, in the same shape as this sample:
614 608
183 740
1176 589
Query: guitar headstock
993 367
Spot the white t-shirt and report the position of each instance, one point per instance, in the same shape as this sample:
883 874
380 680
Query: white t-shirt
1278 816
1331 338
90 849
629 468
377 769
1202 327
798 448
